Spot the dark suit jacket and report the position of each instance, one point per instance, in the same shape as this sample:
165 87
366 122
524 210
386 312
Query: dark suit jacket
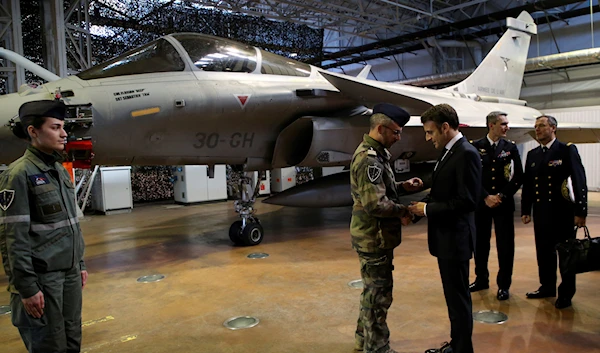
455 193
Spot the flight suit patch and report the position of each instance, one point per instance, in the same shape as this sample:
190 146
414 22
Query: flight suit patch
39 179
6 198
374 172
48 210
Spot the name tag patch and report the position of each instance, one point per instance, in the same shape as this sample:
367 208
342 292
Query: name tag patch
39 179
51 209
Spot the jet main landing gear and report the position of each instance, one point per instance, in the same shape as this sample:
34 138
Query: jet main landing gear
248 231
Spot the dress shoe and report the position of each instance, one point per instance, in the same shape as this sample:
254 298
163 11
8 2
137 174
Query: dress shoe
445 348
562 303
540 294
477 286
502 294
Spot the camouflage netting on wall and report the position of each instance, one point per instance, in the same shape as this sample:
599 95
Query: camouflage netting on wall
120 26
151 183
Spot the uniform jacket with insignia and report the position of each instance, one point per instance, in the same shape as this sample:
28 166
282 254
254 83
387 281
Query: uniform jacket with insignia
375 224
502 170
546 180
39 228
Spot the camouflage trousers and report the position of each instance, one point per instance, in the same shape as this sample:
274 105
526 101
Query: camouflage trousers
372 333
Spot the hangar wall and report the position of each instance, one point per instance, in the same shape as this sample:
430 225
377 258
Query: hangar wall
589 152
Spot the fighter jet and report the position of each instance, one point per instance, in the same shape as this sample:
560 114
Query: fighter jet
196 99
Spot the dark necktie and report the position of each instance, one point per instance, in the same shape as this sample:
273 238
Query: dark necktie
544 149
441 158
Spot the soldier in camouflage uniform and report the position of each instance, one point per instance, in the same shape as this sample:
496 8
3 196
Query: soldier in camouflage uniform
376 220
40 238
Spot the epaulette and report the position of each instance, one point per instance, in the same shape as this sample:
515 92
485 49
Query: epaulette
470 141
371 152
569 144
513 142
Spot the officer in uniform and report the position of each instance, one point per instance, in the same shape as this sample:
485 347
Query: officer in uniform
376 220
501 178
40 238
555 188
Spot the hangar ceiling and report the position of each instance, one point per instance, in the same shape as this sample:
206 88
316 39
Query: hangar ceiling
359 30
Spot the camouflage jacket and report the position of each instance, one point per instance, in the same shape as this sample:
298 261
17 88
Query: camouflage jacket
39 228
375 224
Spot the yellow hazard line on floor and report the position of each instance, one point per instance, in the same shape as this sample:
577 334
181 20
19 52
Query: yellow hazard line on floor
92 322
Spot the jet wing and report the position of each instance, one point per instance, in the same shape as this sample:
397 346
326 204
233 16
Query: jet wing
364 92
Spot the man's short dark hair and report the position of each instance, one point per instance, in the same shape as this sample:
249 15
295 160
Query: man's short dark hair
551 120
440 114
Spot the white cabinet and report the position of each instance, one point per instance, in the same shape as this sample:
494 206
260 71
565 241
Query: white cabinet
111 192
193 184
283 179
265 182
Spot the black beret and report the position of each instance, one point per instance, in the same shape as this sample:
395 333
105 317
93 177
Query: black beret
46 108
397 114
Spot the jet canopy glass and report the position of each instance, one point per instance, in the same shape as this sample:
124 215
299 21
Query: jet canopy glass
216 54
210 53
207 53
156 56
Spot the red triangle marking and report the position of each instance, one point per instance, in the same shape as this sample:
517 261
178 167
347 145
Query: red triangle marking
243 99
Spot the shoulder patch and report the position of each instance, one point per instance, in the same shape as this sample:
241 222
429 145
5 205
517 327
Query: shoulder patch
6 198
39 179
374 172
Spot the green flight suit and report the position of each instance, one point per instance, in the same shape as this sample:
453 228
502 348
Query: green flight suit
375 230
42 250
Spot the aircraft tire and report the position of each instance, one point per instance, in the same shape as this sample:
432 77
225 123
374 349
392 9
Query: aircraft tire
235 232
253 234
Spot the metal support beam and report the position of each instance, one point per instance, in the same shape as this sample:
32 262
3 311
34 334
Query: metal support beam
434 15
77 28
11 37
54 48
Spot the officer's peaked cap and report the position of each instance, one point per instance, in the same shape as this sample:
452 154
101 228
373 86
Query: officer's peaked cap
45 108
397 114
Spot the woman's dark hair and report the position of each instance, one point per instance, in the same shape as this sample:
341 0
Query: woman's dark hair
20 129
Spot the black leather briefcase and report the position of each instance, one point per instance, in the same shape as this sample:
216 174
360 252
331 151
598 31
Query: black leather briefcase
579 255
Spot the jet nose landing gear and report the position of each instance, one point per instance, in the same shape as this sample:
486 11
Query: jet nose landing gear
248 231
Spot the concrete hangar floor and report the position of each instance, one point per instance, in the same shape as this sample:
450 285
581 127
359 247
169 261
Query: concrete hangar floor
299 293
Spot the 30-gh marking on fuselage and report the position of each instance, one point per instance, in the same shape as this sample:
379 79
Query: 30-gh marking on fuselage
212 140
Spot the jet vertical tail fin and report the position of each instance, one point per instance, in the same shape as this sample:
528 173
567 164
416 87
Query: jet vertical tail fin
364 73
500 74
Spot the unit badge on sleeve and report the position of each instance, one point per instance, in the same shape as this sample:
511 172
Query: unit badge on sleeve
373 172
6 198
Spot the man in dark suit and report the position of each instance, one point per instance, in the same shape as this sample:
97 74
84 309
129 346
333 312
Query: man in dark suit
555 188
450 211
502 175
